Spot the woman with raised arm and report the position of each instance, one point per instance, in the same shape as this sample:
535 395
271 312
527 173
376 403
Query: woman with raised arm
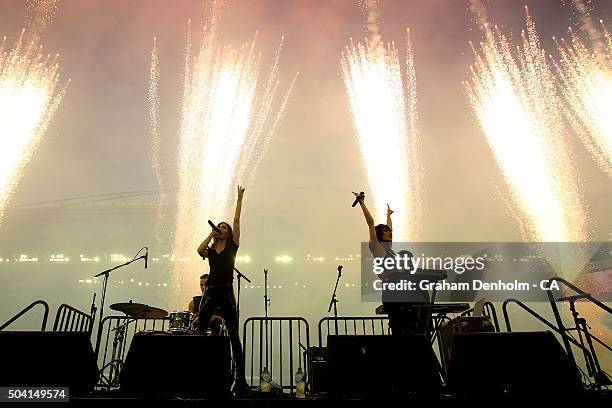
221 254
404 308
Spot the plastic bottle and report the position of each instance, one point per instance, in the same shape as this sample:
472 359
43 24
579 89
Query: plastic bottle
264 380
300 383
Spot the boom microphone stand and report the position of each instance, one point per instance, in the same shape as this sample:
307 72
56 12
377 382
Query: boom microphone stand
333 302
104 286
239 275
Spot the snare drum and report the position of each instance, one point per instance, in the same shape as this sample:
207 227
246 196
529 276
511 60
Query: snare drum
180 322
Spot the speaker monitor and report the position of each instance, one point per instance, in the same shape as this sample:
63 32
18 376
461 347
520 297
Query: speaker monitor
524 363
382 366
46 359
175 365
318 369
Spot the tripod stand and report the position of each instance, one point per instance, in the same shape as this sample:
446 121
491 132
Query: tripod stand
116 363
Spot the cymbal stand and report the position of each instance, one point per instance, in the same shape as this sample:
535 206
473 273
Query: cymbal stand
116 363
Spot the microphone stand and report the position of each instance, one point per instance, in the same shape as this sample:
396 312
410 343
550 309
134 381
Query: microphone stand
104 285
267 302
333 302
239 276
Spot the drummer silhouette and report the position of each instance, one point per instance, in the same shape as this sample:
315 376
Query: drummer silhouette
215 323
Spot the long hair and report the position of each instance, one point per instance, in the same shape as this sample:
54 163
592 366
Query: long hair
230 233
379 231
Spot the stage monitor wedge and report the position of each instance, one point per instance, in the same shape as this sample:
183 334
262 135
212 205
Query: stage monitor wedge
517 363
47 359
382 367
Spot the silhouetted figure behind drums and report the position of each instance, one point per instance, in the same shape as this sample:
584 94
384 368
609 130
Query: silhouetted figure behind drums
215 323
408 310
221 256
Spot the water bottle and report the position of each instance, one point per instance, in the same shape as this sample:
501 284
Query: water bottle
300 383
264 380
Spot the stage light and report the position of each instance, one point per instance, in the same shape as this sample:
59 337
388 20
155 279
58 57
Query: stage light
58 258
285 259
243 259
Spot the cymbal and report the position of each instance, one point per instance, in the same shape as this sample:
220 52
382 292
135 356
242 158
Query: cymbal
139 310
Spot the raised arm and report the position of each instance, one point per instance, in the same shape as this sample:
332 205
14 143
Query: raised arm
203 248
376 247
389 223
236 226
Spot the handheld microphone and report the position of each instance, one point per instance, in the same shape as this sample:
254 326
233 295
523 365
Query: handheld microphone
146 258
214 227
359 197
340 270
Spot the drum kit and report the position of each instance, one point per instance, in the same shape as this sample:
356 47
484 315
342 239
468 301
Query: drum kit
181 322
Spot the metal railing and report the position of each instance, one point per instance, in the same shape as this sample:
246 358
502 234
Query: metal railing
43 326
601 378
117 335
277 341
352 325
70 319
590 356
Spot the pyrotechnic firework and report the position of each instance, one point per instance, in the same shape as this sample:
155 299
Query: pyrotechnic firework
153 104
514 97
384 107
228 117
28 101
586 76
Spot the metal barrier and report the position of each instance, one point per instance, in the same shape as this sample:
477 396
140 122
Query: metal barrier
369 325
118 332
590 356
70 319
43 326
278 341
488 309
601 377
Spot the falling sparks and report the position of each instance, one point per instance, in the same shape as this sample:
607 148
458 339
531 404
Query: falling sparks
384 107
514 97
29 99
153 103
586 79
153 106
228 118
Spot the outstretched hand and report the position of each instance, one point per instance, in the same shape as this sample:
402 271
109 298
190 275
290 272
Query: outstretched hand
360 196
389 211
240 192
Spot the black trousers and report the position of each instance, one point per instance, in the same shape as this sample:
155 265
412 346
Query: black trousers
222 297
